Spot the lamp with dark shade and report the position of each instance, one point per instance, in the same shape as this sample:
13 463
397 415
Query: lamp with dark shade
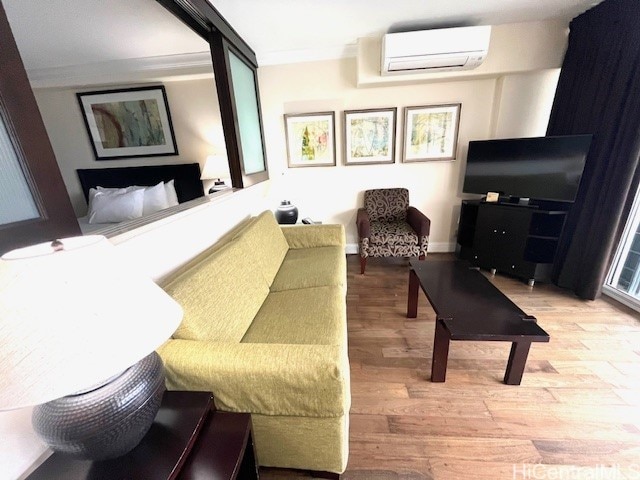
78 333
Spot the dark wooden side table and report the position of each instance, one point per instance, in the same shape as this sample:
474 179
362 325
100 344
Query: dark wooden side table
189 440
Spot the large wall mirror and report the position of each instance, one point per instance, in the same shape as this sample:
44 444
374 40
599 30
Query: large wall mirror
73 47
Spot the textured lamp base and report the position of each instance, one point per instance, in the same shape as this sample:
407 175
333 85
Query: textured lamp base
107 421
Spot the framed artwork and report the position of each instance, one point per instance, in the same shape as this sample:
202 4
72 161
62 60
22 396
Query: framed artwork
128 123
310 139
431 132
369 136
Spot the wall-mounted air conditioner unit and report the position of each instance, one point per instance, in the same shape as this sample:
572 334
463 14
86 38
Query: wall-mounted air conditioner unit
439 50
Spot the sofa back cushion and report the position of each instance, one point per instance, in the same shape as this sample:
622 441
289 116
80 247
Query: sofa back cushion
387 204
265 245
220 295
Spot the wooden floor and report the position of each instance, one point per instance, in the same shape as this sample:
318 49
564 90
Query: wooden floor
575 416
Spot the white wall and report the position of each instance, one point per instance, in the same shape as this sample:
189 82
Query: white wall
523 104
158 249
515 105
195 115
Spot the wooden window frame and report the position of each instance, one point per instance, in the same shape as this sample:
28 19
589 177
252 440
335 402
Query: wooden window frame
21 116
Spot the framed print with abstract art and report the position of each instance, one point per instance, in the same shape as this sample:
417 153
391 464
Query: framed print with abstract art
310 139
369 136
131 122
431 132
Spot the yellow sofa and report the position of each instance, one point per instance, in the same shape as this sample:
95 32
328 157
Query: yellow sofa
264 329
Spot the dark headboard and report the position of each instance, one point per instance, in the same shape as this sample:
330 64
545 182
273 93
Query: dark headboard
186 178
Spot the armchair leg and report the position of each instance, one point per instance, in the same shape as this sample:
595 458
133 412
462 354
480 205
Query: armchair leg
363 264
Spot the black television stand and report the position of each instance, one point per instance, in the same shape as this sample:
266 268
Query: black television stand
512 238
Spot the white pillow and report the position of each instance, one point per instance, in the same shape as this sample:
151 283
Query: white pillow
113 207
172 196
108 189
155 198
93 191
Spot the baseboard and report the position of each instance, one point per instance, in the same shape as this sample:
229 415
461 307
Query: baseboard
351 248
434 247
441 247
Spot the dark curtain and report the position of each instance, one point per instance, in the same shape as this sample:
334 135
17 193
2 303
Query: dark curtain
599 93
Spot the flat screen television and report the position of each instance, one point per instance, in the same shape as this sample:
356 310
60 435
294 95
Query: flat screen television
544 168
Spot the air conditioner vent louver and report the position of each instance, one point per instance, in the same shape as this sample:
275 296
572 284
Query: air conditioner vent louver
445 49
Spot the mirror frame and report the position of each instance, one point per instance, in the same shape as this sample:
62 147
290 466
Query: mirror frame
206 21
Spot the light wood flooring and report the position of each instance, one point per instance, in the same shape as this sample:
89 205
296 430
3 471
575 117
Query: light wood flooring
576 414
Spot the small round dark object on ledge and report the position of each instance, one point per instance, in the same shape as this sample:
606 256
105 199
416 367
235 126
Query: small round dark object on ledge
287 214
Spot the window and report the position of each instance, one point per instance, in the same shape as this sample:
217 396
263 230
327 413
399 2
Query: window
623 281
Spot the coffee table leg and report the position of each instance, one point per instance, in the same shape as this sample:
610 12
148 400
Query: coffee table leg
517 361
412 300
440 353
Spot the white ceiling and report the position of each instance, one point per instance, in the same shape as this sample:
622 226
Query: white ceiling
274 26
56 33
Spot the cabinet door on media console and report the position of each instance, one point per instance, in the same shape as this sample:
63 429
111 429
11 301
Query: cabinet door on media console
501 237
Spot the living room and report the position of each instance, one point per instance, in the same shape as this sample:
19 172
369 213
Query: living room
510 96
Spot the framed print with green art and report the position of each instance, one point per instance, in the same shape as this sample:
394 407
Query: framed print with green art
128 123
310 139
369 136
431 132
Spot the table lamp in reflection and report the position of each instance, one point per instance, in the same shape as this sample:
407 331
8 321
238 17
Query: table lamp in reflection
215 168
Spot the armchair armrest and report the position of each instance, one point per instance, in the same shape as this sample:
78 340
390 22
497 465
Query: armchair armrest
269 379
363 223
419 222
305 236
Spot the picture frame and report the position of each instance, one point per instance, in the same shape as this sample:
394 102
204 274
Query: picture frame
128 122
431 132
369 136
310 139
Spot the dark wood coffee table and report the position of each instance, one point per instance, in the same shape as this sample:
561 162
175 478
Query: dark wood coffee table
469 307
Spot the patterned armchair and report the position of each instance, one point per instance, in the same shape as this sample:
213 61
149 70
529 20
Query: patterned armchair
389 227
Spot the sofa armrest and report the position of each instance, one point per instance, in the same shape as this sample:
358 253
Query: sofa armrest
419 222
308 236
269 379
363 223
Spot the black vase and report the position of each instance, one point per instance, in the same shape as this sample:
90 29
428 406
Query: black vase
287 214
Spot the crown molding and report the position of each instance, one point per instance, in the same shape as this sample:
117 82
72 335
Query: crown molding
162 68
123 71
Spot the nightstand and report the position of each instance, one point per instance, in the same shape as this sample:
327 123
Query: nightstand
189 440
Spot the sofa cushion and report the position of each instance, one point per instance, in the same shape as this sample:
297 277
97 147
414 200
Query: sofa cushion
311 267
220 296
264 244
393 233
317 235
267 378
312 316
